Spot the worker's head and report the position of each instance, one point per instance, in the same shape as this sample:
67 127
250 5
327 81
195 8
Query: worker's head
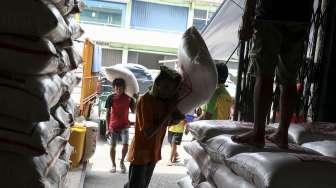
223 72
166 83
119 85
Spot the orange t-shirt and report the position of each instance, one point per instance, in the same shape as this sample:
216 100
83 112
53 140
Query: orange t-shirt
149 113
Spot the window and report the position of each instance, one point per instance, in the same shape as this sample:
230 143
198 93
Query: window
104 13
160 17
201 18
111 57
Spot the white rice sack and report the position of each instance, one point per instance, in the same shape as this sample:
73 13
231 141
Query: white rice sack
66 133
117 71
75 57
44 163
310 132
279 170
204 184
61 32
29 18
66 153
198 71
64 6
19 171
13 124
195 150
70 80
300 133
222 176
206 129
79 7
64 65
62 116
91 136
58 172
194 172
34 56
75 29
33 143
185 182
29 98
326 147
222 147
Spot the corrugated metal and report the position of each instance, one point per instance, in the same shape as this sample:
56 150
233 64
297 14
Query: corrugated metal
133 57
158 16
111 57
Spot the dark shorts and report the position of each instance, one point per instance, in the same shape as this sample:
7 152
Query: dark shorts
278 46
175 138
139 176
121 136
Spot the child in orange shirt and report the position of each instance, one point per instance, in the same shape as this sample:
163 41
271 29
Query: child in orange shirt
154 112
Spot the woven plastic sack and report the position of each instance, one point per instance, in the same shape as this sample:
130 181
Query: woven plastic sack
222 147
275 170
33 143
33 56
70 80
198 71
185 182
79 7
19 171
310 132
326 147
61 32
194 172
222 176
75 29
58 172
300 133
206 129
64 6
205 185
64 65
29 98
62 116
66 153
91 136
28 18
75 57
117 71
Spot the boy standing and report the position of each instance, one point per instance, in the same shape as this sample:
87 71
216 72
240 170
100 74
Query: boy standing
118 105
175 134
220 103
155 111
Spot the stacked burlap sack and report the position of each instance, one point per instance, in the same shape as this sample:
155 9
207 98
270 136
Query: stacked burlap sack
36 80
216 161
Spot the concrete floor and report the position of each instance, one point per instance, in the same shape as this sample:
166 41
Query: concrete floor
98 175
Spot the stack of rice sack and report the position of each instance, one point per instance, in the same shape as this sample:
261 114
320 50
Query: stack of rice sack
221 163
317 136
36 79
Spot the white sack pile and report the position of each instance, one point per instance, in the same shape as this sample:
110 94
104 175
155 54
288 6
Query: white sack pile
36 80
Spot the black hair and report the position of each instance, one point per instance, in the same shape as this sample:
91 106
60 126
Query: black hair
118 82
168 74
223 72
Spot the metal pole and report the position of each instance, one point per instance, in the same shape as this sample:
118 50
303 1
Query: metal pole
239 80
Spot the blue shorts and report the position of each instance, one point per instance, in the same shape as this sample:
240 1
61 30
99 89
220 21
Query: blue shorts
121 136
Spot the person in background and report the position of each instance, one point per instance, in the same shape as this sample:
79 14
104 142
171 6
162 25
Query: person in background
220 103
279 29
117 123
155 110
175 134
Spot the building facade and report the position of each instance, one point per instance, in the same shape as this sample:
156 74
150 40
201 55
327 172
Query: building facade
142 31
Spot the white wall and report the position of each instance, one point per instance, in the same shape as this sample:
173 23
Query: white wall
131 36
